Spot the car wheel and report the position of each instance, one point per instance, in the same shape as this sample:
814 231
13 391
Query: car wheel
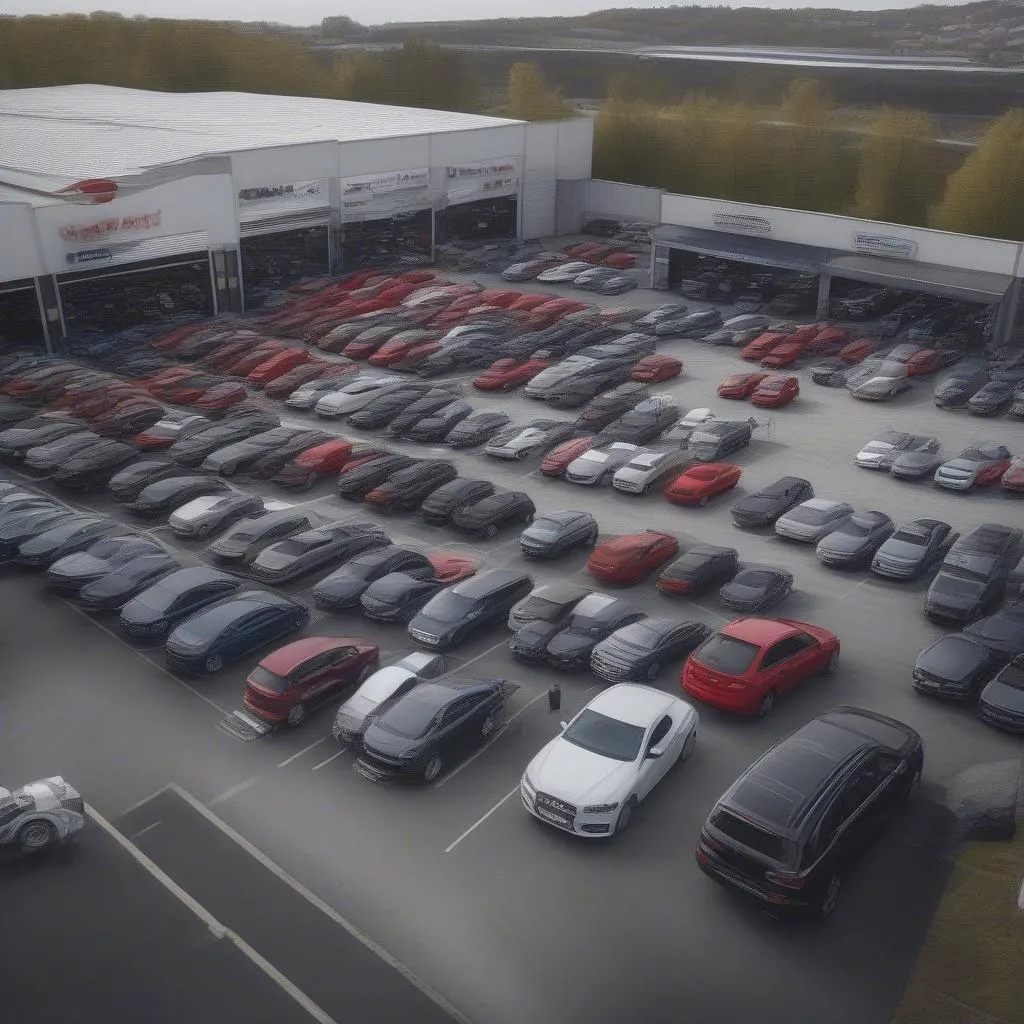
214 663
296 714
203 531
36 835
766 703
432 768
523 454
830 665
645 490
487 726
653 669
625 815
491 531
915 785
830 899
703 500
591 541
691 742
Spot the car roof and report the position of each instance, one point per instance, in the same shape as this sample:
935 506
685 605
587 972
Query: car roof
561 590
758 631
285 659
194 576
631 703
485 583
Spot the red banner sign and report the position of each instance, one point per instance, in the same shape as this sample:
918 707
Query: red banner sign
100 229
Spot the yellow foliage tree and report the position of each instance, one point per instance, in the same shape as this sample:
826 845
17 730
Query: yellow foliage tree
530 98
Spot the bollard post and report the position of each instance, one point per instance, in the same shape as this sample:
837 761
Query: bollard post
555 697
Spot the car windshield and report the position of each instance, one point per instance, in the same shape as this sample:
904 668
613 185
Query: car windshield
961 586
746 833
411 716
545 529
727 654
448 607
598 457
853 528
268 680
640 637
539 607
906 537
300 545
157 598
973 455
810 515
605 736
1013 676
755 579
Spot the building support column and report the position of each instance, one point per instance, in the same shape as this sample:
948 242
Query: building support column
50 313
659 266
824 287
1006 318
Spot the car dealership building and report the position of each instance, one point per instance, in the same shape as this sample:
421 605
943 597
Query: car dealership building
119 206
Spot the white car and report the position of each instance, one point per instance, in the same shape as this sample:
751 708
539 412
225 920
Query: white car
40 814
309 394
436 293
354 395
598 465
647 468
881 451
386 683
201 516
590 778
564 272
667 311
519 442
747 322
681 430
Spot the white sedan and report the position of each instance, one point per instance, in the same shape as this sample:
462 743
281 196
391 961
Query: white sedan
354 395
590 778
646 469
201 516
40 814
564 273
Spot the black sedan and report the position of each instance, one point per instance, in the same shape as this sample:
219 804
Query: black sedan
383 409
698 569
118 587
955 667
64 538
551 602
232 628
830 373
643 423
913 548
94 466
18 526
246 539
555 533
594 618
763 507
856 541
529 643
157 610
240 456
756 588
476 429
302 553
639 650
435 426
398 596
345 586
487 516
165 495
408 487
954 390
608 407
991 399
440 505
129 483
274 461
916 465
430 403
429 726
355 484
193 449
16 441
1002 701
70 574
1003 632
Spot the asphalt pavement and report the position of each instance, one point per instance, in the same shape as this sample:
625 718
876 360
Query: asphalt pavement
503 919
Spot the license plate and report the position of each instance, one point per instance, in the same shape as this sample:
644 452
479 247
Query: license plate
551 816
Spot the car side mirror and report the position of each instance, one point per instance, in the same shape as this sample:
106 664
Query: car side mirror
563 725
655 752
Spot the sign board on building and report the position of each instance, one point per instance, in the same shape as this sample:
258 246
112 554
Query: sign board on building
481 179
313 189
883 245
89 256
372 196
98 230
745 223
392 181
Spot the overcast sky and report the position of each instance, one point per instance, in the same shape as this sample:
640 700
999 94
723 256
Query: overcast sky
309 12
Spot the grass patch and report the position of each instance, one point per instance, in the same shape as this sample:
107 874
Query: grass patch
971 967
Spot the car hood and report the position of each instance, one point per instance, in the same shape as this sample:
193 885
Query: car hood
999 695
760 503
82 564
740 593
915 460
269 559
341 587
196 509
578 776
567 643
843 543
959 467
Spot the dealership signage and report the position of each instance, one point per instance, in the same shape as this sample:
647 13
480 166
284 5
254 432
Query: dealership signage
890 246
99 230
392 181
296 189
89 256
745 223
370 196
467 182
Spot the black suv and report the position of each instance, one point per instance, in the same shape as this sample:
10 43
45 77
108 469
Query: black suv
408 487
447 618
440 505
788 828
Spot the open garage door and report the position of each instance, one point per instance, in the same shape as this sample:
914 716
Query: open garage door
478 220
400 239
274 259
21 324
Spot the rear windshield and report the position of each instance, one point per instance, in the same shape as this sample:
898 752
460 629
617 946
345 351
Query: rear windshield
757 839
268 680
727 654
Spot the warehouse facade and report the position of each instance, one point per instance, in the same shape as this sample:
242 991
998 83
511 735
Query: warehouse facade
119 206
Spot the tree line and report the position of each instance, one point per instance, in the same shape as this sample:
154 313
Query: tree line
797 155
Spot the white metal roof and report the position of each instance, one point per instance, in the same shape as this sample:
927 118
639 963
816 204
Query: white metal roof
65 133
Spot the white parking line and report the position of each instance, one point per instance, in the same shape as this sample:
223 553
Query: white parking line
476 824
304 750
316 767
231 791
143 831
160 668
325 908
853 589
217 929
490 650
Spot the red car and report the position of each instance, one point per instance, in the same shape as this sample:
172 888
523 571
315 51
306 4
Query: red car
700 483
776 391
528 303
806 333
128 418
628 559
295 678
321 460
164 433
275 366
756 350
190 390
225 353
829 339
220 396
161 377
857 351
506 374
499 298
395 350
44 381
586 250
254 357
748 663
619 261
92 403
924 360
785 354
170 341
557 460
450 568
313 369
1013 479
740 385
657 367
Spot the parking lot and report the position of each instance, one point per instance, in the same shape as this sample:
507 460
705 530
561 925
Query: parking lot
506 920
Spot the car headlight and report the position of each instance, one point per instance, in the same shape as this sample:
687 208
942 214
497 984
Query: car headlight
600 808
527 784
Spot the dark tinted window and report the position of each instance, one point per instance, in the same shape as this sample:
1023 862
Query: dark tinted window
660 731
412 715
605 736
268 680
767 844
727 654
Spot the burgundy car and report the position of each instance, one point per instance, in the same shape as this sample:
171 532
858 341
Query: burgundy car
295 678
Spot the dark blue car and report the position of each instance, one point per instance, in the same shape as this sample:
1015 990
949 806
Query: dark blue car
231 628
152 614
